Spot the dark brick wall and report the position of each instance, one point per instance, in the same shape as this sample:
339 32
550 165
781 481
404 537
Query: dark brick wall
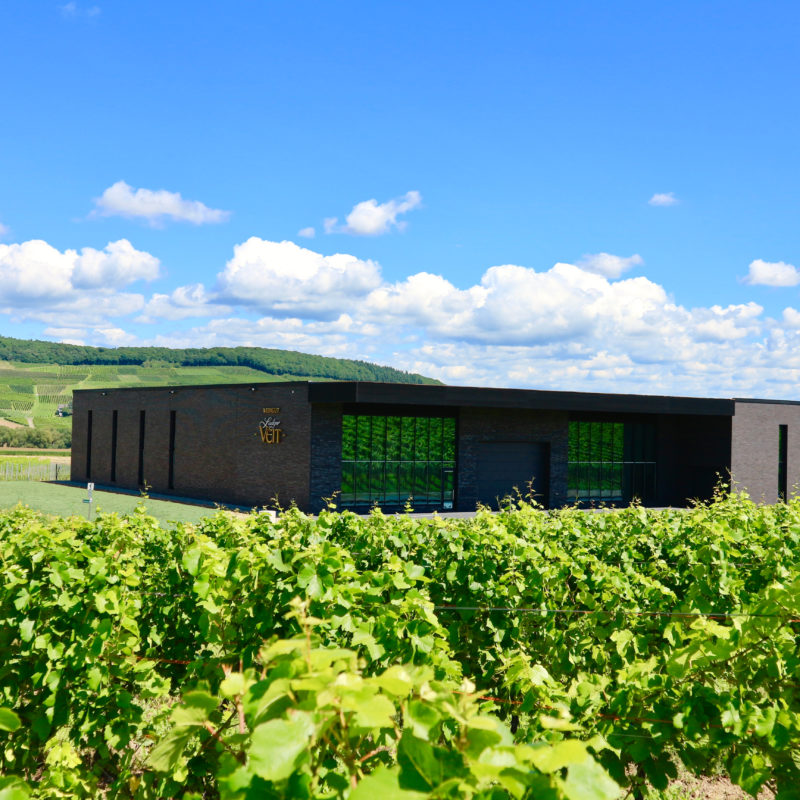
754 456
326 453
476 425
219 454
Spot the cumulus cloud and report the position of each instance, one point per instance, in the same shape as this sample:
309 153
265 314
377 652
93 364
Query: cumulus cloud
370 218
609 265
35 270
772 273
184 302
38 281
114 337
123 200
287 279
663 199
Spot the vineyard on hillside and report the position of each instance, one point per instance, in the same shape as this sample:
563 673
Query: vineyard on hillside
30 394
526 654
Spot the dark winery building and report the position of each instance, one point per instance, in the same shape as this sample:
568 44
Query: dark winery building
431 447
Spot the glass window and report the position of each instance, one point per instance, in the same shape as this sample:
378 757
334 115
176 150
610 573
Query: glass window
362 482
611 461
449 439
389 459
364 427
783 461
393 438
392 482
378 452
572 442
434 481
421 482
407 439
406 488
435 447
618 441
448 487
348 437
376 481
348 485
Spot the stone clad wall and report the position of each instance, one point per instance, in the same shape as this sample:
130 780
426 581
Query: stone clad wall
754 448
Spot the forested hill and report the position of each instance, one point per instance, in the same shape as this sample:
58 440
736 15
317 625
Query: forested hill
272 362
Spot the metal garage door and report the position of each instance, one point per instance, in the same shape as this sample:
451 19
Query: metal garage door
502 466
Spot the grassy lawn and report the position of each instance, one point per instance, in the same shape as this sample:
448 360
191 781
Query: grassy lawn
65 501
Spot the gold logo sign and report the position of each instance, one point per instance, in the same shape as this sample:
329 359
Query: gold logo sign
270 428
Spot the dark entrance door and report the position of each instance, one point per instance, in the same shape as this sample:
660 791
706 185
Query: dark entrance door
504 466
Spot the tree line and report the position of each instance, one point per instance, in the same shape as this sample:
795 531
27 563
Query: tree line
273 362
35 437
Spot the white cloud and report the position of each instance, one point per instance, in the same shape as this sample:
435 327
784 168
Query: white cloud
183 303
122 200
88 308
62 334
289 280
608 265
307 233
34 270
772 273
370 218
72 10
119 264
663 199
107 336
38 281
4 229
115 337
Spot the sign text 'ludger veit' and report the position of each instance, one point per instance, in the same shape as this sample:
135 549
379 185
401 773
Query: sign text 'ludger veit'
270 427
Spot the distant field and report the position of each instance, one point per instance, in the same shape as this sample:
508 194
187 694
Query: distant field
35 451
31 393
67 501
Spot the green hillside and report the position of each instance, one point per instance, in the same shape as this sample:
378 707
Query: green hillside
284 363
38 377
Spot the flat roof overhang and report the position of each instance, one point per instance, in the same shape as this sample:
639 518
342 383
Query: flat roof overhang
533 399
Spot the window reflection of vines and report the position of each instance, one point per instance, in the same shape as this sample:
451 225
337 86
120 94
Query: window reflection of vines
388 460
611 461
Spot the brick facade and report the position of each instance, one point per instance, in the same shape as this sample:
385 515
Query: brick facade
219 453
326 453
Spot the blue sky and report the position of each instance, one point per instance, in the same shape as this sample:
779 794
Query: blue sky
581 195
